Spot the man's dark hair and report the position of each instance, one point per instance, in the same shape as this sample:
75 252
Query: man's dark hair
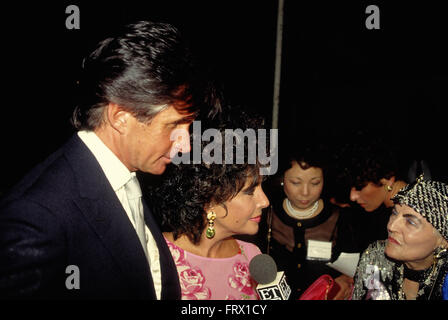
187 189
143 68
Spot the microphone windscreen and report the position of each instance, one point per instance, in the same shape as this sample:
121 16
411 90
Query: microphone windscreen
263 268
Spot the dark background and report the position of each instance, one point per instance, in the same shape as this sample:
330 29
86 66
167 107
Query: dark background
337 76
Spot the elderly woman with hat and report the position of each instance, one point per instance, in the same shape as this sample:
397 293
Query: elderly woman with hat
413 262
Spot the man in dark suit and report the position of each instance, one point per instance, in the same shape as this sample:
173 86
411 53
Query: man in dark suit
76 225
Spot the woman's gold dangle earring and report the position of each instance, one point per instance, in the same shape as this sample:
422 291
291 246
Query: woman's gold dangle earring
210 232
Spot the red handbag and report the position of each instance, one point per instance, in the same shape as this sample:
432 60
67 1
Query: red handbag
324 288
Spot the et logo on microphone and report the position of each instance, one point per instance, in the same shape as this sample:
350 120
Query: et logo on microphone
272 285
277 290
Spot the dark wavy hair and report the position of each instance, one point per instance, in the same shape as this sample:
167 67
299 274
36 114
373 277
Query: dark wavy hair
308 155
143 67
368 159
187 189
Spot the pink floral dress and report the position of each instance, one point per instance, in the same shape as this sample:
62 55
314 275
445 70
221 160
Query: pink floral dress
204 278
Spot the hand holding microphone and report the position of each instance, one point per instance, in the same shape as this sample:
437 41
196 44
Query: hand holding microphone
271 284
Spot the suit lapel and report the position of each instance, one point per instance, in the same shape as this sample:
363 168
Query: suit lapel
104 212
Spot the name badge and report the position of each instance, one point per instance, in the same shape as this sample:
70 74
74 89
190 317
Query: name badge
319 250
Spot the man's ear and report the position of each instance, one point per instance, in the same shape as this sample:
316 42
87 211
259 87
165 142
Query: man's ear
117 117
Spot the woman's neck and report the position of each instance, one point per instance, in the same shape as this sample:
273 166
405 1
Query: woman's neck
410 289
422 264
414 275
209 248
319 209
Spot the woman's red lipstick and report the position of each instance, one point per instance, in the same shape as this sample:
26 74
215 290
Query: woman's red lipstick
392 240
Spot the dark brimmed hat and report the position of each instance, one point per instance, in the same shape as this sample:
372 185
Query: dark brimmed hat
430 199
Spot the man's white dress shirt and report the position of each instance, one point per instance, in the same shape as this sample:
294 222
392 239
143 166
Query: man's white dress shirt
118 176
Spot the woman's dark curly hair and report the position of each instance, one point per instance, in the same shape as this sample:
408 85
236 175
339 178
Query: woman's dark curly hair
188 189
368 159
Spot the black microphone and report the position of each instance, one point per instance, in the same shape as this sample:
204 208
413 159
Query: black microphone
271 284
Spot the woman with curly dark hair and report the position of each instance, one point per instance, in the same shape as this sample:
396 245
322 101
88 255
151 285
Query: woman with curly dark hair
203 205
373 177
371 171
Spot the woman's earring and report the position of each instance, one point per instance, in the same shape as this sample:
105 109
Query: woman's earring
282 184
439 252
388 188
210 232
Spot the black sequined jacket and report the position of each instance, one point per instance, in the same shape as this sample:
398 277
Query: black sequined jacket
379 278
